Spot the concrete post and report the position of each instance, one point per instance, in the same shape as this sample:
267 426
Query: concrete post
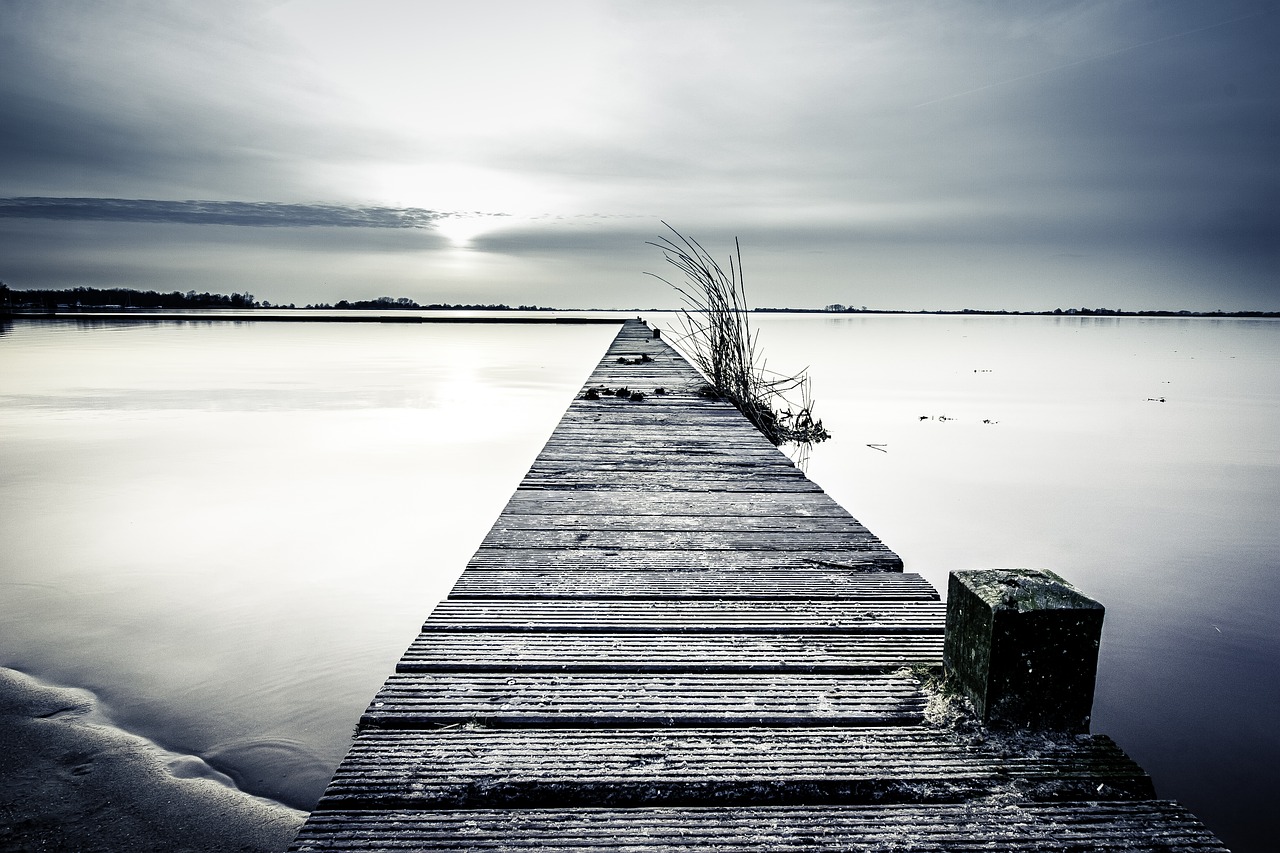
1023 643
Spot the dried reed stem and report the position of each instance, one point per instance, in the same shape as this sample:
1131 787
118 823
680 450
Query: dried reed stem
717 338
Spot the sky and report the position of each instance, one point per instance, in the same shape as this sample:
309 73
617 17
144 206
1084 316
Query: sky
938 154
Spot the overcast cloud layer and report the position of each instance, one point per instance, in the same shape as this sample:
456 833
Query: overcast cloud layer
901 155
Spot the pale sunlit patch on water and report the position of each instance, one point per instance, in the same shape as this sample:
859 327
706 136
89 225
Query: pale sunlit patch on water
231 532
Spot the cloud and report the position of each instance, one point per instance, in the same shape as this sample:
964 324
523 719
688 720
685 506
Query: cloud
258 214
931 145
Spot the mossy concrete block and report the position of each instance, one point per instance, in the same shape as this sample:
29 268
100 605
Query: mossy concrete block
1023 643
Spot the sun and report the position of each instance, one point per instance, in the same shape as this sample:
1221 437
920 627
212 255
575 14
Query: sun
460 229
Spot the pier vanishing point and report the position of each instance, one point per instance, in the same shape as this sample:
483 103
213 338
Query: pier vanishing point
671 639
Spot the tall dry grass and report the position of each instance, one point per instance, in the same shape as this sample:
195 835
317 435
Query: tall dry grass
716 337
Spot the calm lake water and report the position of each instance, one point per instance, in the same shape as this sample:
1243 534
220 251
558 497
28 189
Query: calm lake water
230 532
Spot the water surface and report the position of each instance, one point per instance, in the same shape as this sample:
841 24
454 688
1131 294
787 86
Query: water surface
1139 458
230 532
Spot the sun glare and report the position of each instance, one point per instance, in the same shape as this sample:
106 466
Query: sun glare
461 228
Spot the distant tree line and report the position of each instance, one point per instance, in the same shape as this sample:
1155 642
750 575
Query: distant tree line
383 303
125 297
117 297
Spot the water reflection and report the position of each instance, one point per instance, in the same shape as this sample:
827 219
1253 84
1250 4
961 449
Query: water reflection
230 532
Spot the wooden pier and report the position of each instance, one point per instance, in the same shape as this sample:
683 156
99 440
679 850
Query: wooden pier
672 639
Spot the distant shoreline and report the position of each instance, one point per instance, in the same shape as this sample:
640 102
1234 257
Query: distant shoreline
299 315
118 301
1056 312
567 316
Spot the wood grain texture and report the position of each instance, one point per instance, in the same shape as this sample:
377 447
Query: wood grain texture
445 651
463 768
1153 826
799 584
692 617
621 700
870 558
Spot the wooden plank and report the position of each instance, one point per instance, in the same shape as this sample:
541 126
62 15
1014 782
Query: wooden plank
570 559
449 651
601 431
611 454
650 481
539 768
728 428
1152 826
795 583
749 506
657 414
632 468
525 522
693 617
582 409
683 463
676 391
685 540
743 435
425 700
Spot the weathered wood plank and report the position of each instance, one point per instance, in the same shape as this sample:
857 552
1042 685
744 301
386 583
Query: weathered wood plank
758 505
707 457
603 390
795 583
694 617
652 481
569 559
676 392
684 464
1153 826
723 428
655 410
686 540
577 700
571 434
470 768
691 474
526 522
447 651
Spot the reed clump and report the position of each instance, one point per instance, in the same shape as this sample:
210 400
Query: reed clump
717 338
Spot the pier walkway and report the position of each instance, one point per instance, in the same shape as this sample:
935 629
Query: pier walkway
672 639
